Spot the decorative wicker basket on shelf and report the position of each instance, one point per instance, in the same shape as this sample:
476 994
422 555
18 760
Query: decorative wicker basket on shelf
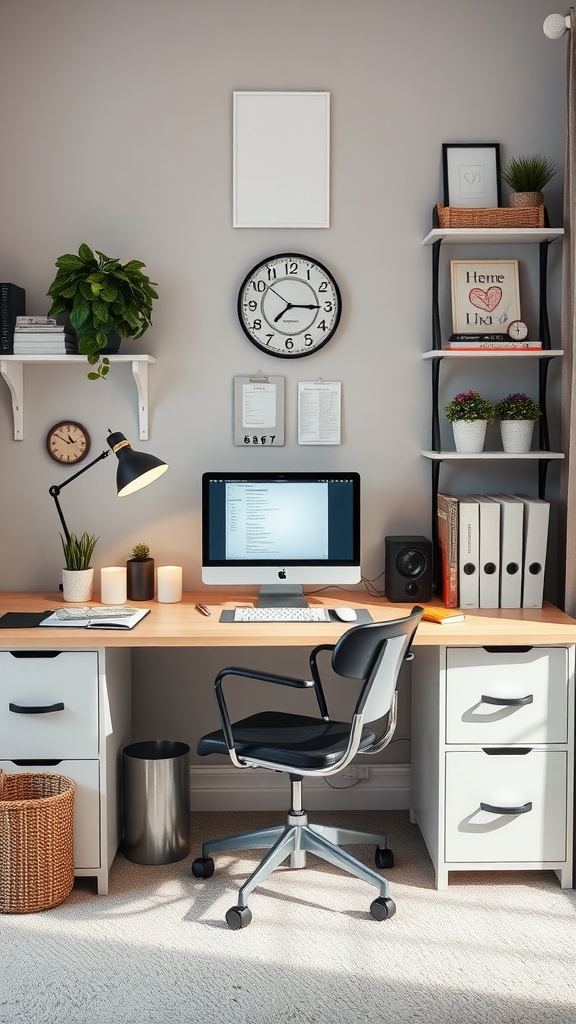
36 841
490 217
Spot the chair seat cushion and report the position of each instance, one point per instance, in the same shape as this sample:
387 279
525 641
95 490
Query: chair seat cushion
293 740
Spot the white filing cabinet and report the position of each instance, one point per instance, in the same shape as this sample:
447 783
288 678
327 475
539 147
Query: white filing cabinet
493 758
70 712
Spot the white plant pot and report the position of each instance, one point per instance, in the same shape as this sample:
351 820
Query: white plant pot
516 435
77 585
469 435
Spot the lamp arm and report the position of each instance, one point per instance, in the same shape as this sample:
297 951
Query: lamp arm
54 491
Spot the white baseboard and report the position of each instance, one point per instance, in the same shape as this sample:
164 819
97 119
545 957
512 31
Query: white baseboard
225 788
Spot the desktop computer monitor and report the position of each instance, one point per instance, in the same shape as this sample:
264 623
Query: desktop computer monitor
281 531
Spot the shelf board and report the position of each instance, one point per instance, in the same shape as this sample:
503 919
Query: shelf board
491 236
486 456
12 370
501 353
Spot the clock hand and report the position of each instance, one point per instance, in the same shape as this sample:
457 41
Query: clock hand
280 315
300 305
66 439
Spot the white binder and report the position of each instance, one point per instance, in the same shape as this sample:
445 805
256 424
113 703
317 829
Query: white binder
511 549
489 550
468 552
536 518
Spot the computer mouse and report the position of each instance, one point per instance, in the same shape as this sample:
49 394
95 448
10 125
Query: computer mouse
345 614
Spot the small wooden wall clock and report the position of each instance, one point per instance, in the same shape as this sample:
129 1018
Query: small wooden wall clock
68 442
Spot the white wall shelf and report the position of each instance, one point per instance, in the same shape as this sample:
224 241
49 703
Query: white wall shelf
12 370
462 456
491 236
488 353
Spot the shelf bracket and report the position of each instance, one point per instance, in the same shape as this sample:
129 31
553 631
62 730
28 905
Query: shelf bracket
140 374
13 374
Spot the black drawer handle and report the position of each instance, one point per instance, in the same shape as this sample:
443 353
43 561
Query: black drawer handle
510 649
494 809
21 709
512 702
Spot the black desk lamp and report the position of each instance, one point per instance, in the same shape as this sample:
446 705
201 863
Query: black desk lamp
135 470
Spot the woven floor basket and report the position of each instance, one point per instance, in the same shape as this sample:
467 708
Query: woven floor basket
36 841
490 217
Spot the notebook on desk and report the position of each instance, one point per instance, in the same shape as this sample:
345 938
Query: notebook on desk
111 621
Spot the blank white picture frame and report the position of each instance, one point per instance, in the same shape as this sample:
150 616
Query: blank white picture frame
281 160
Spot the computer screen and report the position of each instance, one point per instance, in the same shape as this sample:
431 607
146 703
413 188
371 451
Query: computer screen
281 531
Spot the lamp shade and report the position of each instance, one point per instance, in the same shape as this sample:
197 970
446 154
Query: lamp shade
135 469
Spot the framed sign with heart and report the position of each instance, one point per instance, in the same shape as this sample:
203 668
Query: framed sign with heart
485 295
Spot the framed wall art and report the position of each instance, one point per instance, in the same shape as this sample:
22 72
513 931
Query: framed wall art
485 295
281 160
471 172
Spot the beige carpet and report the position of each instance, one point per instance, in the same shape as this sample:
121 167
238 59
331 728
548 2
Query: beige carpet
493 948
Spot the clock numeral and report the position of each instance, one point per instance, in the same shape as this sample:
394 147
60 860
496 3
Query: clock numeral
308 340
252 306
322 325
259 286
328 307
323 286
289 344
271 273
291 268
269 338
257 325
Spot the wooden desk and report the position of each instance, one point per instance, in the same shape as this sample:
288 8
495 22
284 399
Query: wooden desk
93 668
180 625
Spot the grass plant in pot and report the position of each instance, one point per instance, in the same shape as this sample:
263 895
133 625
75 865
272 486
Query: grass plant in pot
527 176
469 413
78 574
105 301
140 574
517 414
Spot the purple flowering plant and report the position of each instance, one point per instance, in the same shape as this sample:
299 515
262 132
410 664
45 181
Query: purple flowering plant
517 406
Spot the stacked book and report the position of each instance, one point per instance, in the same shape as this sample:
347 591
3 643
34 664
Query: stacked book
491 342
42 335
492 550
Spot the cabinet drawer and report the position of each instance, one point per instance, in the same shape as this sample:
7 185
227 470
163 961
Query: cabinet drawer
86 804
33 689
532 687
506 781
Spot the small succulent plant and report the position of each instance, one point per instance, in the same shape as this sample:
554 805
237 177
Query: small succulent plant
140 552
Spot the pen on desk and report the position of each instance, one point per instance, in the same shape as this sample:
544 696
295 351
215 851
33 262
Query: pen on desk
202 608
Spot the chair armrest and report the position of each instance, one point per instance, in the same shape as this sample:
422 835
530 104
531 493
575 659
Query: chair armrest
245 673
316 677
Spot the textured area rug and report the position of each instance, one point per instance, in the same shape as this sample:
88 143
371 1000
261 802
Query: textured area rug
495 947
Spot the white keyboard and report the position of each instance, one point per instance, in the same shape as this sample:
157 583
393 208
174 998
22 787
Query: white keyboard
281 615
98 611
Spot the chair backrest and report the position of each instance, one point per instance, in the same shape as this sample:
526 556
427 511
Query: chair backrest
374 653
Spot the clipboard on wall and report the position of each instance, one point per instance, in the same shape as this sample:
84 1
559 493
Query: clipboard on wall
258 411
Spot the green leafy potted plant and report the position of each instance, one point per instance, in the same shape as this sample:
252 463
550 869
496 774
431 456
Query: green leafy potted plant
140 574
517 413
469 413
78 574
527 176
105 300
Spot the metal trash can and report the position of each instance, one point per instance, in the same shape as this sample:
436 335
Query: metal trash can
156 789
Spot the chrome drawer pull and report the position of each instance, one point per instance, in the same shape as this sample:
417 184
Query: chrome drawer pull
511 702
20 709
523 809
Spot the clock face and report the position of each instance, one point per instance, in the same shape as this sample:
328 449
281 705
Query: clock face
518 330
68 442
289 305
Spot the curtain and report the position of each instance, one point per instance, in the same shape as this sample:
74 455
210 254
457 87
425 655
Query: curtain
568 439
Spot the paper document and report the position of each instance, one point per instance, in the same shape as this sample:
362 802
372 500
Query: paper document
259 405
319 412
121 622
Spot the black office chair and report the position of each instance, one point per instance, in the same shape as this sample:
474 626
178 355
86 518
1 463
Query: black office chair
314 746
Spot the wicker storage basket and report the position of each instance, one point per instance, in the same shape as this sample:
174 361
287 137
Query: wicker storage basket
36 841
490 217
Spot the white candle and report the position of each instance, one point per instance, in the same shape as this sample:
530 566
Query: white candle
169 583
113 584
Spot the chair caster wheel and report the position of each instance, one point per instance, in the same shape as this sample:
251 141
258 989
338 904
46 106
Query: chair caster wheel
383 908
238 917
202 867
383 858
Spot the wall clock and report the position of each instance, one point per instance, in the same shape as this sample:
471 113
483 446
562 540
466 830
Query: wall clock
68 442
289 305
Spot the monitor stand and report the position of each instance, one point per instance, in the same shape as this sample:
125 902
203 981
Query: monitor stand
281 596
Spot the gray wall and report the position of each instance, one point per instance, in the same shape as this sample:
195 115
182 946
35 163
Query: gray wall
117 132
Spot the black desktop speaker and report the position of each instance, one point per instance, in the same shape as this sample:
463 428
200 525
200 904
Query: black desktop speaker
408 569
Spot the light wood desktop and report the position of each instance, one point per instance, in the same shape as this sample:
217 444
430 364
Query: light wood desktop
181 625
